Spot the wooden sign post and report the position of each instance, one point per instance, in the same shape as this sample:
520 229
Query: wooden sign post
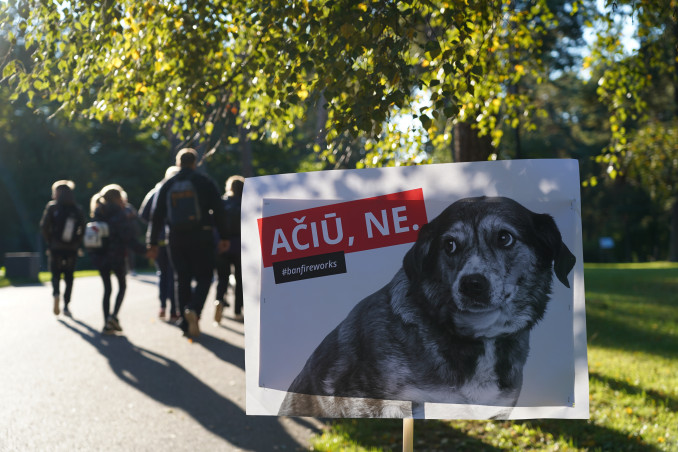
408 435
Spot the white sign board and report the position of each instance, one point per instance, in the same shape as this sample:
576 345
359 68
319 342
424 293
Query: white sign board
450 291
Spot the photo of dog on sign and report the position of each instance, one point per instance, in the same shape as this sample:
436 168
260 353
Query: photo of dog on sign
452 326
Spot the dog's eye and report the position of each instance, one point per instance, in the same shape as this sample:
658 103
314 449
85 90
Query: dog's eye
505 239
450 245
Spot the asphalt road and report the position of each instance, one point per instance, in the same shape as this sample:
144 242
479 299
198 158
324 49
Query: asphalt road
66 387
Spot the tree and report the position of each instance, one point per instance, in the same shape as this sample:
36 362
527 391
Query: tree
265 64
36 151
187 64
651 160
640 90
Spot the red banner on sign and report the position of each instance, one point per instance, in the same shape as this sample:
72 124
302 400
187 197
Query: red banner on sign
351 226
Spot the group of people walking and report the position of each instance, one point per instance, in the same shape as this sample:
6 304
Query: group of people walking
191 231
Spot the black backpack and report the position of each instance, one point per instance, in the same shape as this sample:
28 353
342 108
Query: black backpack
65 227
183 208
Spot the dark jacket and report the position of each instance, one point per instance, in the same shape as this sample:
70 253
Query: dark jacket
121 236
212 212
232 206
55 212
146 208
146 213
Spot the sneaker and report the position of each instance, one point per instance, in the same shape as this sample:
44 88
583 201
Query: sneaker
113 323
192 319
56 305
108 330
67 312
218 311
174 319
162 313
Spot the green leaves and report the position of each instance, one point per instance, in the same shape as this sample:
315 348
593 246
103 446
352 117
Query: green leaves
426 122
364 49
9 69
181 65
432 49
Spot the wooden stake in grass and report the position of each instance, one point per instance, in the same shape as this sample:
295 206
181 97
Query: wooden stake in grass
408 435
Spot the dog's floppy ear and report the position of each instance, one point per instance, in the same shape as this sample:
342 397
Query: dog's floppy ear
417 261
563 262
552 242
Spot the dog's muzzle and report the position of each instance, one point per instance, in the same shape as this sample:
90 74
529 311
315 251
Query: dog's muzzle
475 289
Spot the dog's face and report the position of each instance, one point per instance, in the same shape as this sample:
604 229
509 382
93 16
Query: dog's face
483 267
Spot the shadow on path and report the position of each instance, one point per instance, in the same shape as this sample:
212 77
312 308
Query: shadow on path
222 350
146 278
231 329
167 382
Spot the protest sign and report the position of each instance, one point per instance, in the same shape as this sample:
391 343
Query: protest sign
435 291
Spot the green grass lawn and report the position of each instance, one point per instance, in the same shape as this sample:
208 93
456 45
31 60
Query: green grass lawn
632 325
42 277
47 276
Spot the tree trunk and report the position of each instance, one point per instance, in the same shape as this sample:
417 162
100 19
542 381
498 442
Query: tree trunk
673 238
675 65
673 242
468 146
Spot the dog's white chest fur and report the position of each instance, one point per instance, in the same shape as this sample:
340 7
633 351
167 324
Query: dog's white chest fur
483 386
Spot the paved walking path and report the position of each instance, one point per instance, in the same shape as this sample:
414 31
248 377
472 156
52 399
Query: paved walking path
66 387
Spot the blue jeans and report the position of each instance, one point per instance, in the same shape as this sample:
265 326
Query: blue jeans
166 283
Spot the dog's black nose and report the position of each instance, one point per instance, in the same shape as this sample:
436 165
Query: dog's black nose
475 286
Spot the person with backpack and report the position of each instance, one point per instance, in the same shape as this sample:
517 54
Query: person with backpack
109 255
163 264
62 226
232 203
190 204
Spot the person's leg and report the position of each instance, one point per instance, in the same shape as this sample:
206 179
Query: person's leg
171 290
179 257
120 272
237 266
56 272
131 262
223 272
201 261
202 264
203 281
105 273
161 284
161 264
69 270
55 268
167 280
